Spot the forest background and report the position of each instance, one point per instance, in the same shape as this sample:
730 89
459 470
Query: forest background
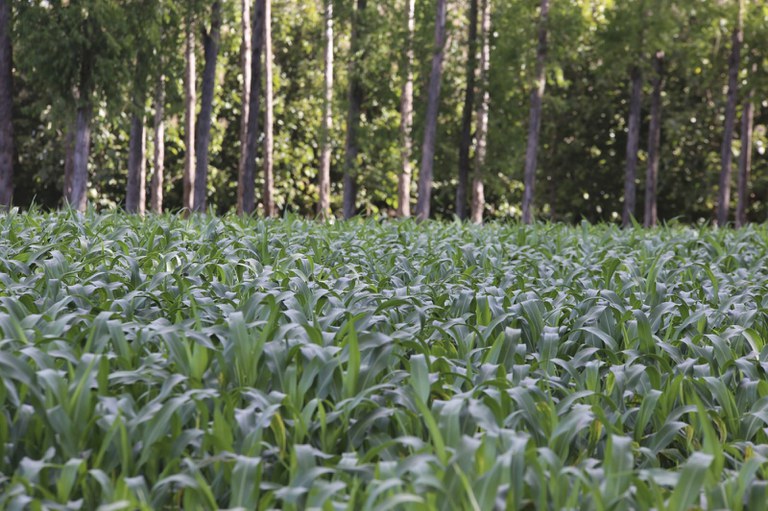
571 109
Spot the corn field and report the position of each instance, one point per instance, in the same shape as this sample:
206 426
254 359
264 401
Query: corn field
205 363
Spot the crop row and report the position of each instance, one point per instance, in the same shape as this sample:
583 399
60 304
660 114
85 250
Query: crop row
220 363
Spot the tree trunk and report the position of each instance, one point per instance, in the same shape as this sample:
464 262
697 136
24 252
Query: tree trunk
465 140
406 120
654 140
269 175
136 193
534 121
69 160
136 188
158 162
633 143
6 106
190 98
351 147
745 158
203 128
430 120
247 186
726 153
324 178
80 152
478 197
245 61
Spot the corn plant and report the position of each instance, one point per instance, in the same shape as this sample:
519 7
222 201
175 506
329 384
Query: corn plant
204 363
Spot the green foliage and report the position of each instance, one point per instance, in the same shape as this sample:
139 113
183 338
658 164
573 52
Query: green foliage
592 45
226 362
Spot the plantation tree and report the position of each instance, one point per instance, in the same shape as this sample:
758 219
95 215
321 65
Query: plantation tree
351 145
633 144
534 120
168 75
158 160
73 50
478 197
135 197
745 154
624 40
726 149
654 138
268 199
144 19
465 140
246 190
6 106
423 202
406 118
634 29
324 175
203 125
245 59
190 99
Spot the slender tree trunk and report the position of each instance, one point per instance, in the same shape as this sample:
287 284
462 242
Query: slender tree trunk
190 98
80 153
745 158
6 106
633 143
203 128
534 121
269 175
726 152
654 141
465 140
423 202
69 160
245 61
351 148
478 197
406 120
136 189
136 192
324 181
247 185
158 162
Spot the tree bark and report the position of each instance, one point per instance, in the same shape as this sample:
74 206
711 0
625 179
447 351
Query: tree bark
158 161
430 121
726 152
203 128
247 186
136 192
465 139
534 121
6 106
351 147
406 120
745 158
633 144
245 61
269 175
654 140
81 150
190 98
478 196
324 178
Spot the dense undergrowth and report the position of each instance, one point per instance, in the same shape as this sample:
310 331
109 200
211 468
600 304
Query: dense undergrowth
219 363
